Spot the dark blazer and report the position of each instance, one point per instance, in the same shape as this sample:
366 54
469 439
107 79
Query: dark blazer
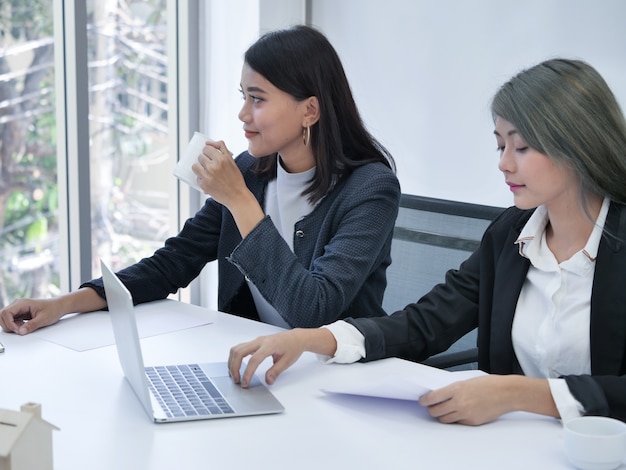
342 250
483 292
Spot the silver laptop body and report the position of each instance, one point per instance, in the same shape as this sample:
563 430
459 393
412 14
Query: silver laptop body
178 392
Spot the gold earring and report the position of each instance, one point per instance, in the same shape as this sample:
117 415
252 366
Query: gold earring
306 135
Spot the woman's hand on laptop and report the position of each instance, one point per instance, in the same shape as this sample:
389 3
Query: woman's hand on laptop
284 347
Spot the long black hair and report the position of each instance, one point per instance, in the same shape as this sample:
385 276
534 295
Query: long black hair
301 62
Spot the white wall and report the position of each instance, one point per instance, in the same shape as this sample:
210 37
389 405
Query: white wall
423 73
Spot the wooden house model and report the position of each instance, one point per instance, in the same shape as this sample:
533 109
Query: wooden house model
25 439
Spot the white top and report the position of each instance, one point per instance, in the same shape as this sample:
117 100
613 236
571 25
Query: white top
551 325
285 205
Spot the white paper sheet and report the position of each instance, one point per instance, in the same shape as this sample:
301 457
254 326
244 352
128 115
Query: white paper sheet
403 386
402 380
93 330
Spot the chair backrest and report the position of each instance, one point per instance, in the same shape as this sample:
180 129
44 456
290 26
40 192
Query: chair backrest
430 237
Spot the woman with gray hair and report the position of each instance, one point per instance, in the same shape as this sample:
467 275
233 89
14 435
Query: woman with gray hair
546 286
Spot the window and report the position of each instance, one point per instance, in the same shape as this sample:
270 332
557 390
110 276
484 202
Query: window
128 128
28 164
125 187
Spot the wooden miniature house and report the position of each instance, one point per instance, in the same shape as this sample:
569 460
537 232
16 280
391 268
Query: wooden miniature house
25 439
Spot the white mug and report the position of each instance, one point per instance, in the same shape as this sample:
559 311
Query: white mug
183 170
595 442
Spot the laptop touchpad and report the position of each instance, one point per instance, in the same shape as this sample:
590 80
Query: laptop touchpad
229 388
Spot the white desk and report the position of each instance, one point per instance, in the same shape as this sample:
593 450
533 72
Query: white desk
103 426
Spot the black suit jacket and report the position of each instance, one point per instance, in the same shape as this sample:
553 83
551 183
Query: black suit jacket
483 292
336 269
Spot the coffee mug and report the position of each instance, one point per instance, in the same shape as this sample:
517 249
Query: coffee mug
595 442
183 170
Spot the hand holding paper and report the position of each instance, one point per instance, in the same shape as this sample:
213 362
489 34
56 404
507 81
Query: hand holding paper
404 386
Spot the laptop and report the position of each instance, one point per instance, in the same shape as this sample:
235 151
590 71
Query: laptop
183 392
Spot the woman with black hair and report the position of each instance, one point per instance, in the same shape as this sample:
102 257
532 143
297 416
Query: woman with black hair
300 224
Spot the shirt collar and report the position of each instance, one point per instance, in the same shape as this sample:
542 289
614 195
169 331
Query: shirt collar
535 230
285 178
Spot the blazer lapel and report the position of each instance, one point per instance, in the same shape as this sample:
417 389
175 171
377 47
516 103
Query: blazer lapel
511 272
608 300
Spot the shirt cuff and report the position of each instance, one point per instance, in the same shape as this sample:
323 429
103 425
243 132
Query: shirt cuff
567 405
350 344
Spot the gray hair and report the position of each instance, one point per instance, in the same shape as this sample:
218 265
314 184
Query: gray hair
564 109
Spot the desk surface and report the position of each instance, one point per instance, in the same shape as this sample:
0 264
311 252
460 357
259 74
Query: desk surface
103 426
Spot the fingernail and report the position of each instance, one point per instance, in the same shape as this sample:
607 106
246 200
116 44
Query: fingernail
22 330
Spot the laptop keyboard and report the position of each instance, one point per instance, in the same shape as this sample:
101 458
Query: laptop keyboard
185 390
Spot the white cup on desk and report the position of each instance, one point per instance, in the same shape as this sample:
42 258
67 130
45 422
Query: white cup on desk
183 170
595 442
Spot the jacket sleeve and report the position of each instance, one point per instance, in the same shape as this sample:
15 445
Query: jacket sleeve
177 263
430 325
600 395
317 294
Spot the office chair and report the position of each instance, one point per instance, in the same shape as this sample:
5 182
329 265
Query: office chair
430 237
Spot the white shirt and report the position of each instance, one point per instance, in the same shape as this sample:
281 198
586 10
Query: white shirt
285 205
551 325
